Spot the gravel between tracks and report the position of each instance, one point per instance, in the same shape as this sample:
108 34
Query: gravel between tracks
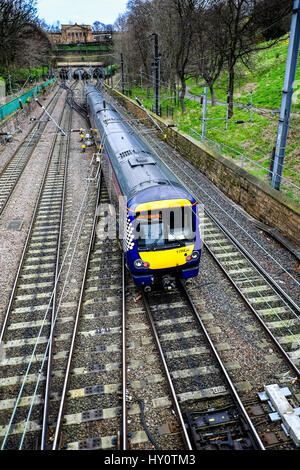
21 206
281 264
26 126
242 226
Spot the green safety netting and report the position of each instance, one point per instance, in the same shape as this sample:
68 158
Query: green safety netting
13 105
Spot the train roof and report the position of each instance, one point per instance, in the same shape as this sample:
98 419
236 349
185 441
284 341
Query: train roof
136 166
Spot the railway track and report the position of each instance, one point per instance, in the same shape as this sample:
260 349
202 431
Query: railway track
114 383
13 170
213 412
276 310
111 383
210 412
96 409
27 322
90 388
116 395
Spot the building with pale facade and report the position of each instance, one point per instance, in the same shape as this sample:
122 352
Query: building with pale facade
72 34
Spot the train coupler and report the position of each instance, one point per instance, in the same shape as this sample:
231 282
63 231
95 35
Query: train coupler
168 283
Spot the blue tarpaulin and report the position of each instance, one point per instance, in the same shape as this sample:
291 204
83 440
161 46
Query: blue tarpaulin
13 105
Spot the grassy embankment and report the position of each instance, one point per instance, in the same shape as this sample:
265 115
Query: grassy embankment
254 139
83 53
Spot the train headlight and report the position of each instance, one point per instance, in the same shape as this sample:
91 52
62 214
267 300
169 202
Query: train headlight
194 256
140 264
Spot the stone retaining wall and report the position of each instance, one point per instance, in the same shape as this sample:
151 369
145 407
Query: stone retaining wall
261 201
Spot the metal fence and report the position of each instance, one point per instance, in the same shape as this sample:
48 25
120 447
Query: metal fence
291 189
164 110
13 105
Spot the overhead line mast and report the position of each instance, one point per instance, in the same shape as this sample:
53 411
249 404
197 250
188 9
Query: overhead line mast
156 74
286 103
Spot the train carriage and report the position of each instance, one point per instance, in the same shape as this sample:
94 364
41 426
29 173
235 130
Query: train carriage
159 220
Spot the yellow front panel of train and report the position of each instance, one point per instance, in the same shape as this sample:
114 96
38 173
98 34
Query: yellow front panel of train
167 258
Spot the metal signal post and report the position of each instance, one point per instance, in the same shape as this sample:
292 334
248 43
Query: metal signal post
286 102
156 74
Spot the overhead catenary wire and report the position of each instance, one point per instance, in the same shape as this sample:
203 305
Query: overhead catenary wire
238 122
259 111
52 329
249 280
228 215
82 208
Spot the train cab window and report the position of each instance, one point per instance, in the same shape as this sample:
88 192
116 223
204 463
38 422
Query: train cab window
164 229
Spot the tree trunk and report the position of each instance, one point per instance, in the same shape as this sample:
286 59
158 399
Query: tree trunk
213 95
182 94
174 93
170 93
231 90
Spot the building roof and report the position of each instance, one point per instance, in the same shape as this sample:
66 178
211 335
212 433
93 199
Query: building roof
78 25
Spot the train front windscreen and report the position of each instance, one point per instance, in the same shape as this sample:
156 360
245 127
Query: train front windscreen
165 228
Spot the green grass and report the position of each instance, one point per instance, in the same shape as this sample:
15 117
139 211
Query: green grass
265 79
255 139
81 58
75 47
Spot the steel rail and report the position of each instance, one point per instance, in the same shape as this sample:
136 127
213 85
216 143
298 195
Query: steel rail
27 239
255 436
168 376
267 330
224 371
50 353
75 328
33 219
124 435
32 129
32 135
61 297
252 260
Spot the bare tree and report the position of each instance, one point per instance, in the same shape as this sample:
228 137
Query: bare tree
98 26
135 27
272 26
241 27
23 41
198 37
209 49
36 50
14 15
177 28
139 25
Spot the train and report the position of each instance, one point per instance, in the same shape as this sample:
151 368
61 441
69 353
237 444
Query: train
63 73
158 220
99 72
81 74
